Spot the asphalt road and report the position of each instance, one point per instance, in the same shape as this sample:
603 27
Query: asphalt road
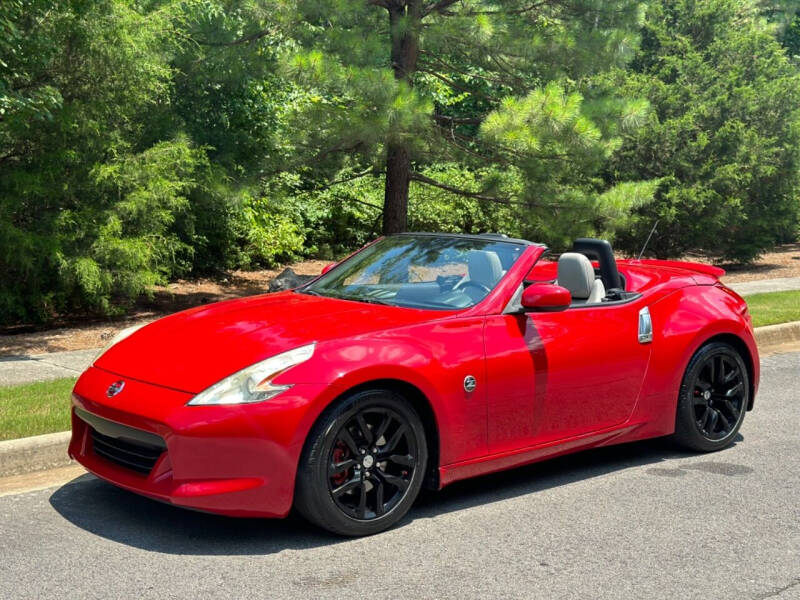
635 521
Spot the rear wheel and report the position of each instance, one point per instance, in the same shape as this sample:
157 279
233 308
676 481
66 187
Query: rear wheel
363 464
713 398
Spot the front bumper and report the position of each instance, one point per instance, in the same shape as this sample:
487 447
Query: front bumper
233 460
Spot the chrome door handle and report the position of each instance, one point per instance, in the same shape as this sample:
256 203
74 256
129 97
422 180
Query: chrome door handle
645 326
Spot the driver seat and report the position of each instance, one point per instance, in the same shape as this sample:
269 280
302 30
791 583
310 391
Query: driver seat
575 272
484 268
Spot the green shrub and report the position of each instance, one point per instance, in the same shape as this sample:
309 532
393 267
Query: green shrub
723 136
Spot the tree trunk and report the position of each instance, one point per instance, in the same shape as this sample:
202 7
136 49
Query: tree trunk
404 21
395 199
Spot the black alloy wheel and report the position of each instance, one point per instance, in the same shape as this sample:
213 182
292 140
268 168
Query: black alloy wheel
363 464
718 396
713 399
371 463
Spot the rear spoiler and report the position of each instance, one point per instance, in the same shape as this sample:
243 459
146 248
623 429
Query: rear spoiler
689 266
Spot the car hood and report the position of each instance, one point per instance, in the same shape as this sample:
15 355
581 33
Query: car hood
193 349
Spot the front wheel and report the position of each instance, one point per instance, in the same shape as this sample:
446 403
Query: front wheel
714 395
363 464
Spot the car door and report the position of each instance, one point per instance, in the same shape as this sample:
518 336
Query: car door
554 376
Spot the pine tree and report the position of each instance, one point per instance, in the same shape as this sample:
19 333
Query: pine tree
505 87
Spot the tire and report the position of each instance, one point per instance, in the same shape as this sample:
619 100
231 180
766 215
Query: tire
714 395
363 464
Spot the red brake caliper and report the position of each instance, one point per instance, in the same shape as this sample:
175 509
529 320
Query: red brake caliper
340 453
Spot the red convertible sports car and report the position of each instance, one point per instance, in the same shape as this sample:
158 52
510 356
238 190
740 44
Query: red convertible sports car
419 360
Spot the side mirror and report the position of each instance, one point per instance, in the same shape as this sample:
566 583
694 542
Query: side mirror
328 267
545 297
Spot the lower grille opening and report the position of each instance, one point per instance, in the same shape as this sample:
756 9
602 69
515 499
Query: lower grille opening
135 456
125 446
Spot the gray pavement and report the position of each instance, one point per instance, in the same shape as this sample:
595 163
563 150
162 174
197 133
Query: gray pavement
633 521
43 367
747 288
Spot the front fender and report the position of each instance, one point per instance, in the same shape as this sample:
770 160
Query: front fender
434 357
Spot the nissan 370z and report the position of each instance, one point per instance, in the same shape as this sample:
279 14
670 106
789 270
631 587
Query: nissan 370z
420 360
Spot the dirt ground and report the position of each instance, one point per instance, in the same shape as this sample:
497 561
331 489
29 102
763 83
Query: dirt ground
783 261
172 298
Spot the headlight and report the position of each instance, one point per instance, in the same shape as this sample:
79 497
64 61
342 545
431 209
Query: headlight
128 331
254 383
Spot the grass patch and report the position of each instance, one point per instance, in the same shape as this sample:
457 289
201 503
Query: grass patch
774 307
35 408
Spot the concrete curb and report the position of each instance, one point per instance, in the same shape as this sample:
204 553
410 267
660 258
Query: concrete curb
49 451
36 453
771 336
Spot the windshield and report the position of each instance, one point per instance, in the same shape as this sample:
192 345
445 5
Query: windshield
420 272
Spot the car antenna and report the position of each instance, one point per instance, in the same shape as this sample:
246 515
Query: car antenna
647 241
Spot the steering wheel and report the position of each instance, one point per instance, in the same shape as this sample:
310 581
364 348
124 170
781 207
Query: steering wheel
480 286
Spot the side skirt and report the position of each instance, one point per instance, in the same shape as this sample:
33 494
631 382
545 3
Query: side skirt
523 456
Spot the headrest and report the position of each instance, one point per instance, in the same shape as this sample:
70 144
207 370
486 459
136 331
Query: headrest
575 272
484 267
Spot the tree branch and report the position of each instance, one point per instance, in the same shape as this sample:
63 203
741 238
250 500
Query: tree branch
456 120
439 7
505 68
419 177
342 147
519 11
414 176
450 136
370 204
456 86
10 155
345 180
438 61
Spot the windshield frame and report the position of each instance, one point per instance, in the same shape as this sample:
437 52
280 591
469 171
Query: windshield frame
486 239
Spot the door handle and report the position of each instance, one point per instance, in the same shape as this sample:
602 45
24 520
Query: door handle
645 326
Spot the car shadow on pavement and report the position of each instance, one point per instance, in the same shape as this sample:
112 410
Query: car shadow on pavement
115 514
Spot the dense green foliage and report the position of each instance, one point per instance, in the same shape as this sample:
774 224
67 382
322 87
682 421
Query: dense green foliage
144 140
723 136
86 199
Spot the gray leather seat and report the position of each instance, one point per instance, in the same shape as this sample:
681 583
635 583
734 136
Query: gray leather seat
484 268
575 272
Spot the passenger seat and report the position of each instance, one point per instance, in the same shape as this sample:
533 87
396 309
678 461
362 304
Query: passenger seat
575 272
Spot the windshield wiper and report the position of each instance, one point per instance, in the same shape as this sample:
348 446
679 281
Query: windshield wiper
310 292
369 300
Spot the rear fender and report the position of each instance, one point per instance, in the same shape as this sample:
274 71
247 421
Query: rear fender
715 272
684 321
